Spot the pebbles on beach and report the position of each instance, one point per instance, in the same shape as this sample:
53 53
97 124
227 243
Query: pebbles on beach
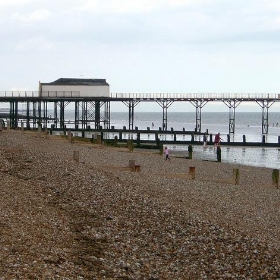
62 219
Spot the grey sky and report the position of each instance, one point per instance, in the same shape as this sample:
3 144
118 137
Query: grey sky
175 46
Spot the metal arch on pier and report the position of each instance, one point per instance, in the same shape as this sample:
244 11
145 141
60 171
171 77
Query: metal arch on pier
164 104
265 104
198 106
232 105
131 105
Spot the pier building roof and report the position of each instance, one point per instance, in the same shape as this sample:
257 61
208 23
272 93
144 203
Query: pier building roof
74 81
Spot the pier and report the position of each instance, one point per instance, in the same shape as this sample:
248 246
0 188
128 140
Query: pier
94 113
97 109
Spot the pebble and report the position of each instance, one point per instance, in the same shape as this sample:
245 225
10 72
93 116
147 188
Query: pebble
93 219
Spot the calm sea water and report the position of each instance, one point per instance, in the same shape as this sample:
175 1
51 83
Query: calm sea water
249 124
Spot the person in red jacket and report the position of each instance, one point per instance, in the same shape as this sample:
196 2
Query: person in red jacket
217 140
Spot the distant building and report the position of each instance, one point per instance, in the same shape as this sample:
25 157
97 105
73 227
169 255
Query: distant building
68 87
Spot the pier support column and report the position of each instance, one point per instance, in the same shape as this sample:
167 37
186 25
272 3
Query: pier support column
61 119
55 113
45 106
76 121
14 114
265 104
28 115
34 106
62 106
107 109
40 112
97 115
164 105
198 105
232 105
87 112
131 105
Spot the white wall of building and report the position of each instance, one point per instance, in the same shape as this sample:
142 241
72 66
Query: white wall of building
74 91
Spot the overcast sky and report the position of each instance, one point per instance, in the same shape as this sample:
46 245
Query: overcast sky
175 46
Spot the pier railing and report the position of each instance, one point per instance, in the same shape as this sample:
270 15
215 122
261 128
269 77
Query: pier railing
19 94
155 96
185 96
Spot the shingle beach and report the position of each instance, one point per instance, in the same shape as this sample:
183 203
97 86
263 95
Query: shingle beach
93 219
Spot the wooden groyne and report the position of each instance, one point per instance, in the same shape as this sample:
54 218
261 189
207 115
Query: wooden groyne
156 137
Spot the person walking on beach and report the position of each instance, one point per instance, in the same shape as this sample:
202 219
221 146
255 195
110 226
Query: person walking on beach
204 140
166 152
217 140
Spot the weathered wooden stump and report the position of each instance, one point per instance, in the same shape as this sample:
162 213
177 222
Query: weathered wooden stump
192 172
39 130
236 176
70 136
76 156
275 177
131 164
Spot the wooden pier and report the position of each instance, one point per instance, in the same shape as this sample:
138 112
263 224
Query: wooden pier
155 137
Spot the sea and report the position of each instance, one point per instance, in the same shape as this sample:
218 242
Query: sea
246 123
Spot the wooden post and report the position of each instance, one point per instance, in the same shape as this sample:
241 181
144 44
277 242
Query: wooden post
275 177
190 150
131 164
192 172
137 168
236 176
76 156
130 145
99 139
138 139
8 125
1 125
47 133
39 130
219 154
21 126
70 135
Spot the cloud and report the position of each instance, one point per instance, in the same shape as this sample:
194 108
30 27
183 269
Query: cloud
34 44
135 6
15 3
36 16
